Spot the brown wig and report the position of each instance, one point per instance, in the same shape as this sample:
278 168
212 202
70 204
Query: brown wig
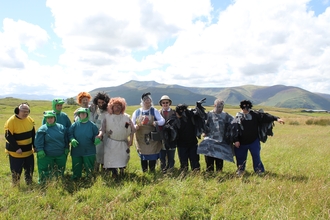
119 101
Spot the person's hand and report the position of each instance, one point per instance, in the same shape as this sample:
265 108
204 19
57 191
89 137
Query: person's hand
74 143
41 154
97 141
130 142
237 144
280 121
66 151
19 151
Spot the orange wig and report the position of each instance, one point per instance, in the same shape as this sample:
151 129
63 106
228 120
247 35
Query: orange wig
82 95
117 101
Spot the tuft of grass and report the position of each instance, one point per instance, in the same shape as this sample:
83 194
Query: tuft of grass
296 184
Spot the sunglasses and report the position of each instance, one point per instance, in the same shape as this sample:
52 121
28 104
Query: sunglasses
165 103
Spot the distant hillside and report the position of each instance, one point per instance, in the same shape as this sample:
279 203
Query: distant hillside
133 90
278 95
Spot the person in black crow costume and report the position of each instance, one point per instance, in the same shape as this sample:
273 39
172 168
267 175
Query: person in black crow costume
248 123
189 125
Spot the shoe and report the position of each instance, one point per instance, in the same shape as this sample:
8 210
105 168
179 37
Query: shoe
240 172
260 173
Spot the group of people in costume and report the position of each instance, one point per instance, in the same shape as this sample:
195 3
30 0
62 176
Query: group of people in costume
102 133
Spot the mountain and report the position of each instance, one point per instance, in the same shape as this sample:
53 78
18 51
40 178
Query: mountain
133 90
30 97
277 95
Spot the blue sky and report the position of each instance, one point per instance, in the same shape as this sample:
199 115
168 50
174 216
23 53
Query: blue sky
63 47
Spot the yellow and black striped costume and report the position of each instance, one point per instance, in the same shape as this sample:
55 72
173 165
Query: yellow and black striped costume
19 133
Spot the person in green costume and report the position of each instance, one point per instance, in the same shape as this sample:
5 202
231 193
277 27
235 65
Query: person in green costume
52 145
61 117
83 136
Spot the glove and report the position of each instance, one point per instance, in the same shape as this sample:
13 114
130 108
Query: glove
41 154
66 151
97 141
74 143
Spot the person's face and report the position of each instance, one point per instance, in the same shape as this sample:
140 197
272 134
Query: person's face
59 107
146 102
245 108
84 102
50 120
100 103
116 108
218 107
82 115
23 113
165 104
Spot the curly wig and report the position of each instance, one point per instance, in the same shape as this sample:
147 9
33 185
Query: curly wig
118 101
103 96
82 95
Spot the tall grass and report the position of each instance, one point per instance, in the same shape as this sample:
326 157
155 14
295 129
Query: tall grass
296 184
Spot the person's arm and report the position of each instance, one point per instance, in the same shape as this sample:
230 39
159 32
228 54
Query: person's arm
160 121
39 141
9 135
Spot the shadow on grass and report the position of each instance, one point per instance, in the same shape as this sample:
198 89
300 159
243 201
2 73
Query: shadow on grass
73 186
149 178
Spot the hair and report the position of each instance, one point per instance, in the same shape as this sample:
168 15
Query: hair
117 100
247 103
103 96
16 110
219 101
82 95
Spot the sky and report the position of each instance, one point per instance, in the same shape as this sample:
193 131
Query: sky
63 47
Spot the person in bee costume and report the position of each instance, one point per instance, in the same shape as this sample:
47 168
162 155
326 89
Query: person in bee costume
19 135
52 147
83 136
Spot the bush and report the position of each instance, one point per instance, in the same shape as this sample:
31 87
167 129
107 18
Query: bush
321 122
293 123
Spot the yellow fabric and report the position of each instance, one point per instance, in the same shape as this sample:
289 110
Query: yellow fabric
18 126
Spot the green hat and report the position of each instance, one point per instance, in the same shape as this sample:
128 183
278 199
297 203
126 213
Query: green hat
49 114
83 110
57 101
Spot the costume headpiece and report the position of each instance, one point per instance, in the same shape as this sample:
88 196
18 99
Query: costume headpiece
145 94
50 114
181 108
55 102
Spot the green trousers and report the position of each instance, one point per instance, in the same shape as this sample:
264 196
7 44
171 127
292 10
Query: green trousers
51 166
79 162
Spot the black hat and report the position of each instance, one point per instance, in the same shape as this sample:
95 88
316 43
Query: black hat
145 94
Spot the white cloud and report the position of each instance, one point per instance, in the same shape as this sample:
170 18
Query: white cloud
251 42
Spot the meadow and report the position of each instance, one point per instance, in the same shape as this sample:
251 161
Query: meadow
296 184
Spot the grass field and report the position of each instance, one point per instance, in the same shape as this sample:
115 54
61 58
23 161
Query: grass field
296 184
